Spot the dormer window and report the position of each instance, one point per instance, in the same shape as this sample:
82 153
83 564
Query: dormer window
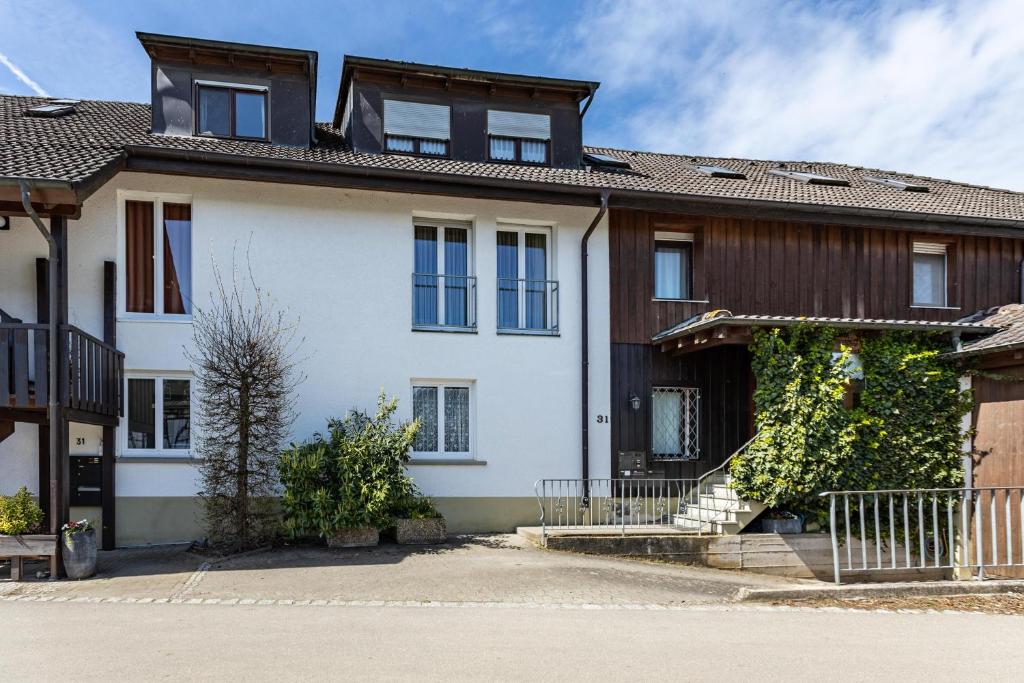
416 128
518 137
227 110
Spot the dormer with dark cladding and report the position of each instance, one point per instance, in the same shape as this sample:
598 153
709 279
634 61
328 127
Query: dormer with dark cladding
286 78
469 96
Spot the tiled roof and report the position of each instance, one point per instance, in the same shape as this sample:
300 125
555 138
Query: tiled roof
719 318
72 148
1010 318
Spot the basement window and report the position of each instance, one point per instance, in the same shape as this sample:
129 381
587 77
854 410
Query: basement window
231 111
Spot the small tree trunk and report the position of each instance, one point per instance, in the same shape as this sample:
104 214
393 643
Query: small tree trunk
243 463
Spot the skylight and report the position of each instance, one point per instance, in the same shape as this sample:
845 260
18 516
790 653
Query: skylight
52 109
810 178
604 160
897 184
720 171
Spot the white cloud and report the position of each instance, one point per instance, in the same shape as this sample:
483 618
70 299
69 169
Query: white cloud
22 76
933 89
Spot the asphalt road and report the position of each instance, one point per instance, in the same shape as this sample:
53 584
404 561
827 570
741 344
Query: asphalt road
127 642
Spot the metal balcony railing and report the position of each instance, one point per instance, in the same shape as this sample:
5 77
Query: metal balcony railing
527 305
445 302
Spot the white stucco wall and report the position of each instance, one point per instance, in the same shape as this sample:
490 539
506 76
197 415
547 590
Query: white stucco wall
341 261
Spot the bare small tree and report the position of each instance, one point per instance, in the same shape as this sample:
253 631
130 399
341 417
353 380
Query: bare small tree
245 368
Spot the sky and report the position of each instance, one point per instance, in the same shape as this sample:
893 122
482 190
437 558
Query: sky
933 88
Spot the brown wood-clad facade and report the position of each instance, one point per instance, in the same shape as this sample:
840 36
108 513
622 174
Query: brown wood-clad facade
766 267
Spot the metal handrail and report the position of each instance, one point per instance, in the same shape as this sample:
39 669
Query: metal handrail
520 288
903 524
441 282
702 482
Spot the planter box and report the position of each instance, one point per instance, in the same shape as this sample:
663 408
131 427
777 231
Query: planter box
79 554
421 531
782 526
17 548
358 537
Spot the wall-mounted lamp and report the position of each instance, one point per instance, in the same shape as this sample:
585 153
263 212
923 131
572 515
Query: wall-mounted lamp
634 402
5 223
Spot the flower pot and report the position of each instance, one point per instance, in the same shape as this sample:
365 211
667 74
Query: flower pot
421 531
782 526
355 537
79 553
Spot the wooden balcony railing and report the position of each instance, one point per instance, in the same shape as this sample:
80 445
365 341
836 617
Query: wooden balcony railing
93 374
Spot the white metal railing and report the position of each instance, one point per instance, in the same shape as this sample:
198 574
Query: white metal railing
527 305
704 498
970 529
611 504
443 301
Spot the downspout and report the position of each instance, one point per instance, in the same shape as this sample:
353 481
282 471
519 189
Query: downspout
53 404
585 365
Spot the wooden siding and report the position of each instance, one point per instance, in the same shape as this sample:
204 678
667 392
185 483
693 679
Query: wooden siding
723 377
788 268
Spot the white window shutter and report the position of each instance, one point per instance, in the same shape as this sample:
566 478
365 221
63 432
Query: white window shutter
514 124
417 120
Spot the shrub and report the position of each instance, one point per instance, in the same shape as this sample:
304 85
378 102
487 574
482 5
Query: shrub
418 507
19 513
355 477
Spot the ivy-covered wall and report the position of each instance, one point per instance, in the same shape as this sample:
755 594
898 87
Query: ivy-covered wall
905 432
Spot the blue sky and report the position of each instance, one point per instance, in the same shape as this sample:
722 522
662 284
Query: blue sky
935 88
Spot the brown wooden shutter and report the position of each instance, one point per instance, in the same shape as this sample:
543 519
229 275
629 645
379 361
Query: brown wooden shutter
139 256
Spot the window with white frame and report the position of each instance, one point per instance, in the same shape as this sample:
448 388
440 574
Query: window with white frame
527 292
930 274
445 412
157 256
158 412
675 423
443 287
673 265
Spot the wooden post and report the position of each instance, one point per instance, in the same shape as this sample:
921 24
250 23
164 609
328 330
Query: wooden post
108 490
60 461
43 317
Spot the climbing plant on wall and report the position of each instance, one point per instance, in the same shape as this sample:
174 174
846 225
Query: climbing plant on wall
906 432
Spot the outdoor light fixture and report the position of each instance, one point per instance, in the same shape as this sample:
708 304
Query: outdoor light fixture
5 223
634 401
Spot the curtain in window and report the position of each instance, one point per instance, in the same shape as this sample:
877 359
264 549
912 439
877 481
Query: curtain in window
424 409
666 423
424 292
139 256
456 419
456 286
141 413
534 151
177 413
930 279
508 279
214 111
672 270
503 149
536 280
177 258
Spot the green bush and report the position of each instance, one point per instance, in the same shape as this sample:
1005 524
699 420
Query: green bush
19 513
418 507
354 477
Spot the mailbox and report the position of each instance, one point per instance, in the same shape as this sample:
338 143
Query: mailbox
635 465
86 480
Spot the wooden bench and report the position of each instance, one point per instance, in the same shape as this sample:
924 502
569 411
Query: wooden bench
30 546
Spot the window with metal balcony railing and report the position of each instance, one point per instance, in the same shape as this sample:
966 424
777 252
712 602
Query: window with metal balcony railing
527 306
443 302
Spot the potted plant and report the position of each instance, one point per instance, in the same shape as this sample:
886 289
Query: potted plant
346 486
419 523
778 521
78 548
20 516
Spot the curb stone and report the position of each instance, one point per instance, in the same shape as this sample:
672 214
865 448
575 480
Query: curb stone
882 590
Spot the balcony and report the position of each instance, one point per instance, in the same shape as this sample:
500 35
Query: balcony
443 303
92 376
527 306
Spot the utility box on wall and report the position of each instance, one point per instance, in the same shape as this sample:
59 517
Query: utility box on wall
86 480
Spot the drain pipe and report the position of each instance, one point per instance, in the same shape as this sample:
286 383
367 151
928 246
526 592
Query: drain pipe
585 366
53 404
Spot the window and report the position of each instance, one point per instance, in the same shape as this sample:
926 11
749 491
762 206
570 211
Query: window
527 296
159 411
675 423
443 290
810 178
518 137
231 111
929 274
445 414
417 128
158 257
673 265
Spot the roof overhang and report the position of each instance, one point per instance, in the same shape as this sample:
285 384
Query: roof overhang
55 197
713 330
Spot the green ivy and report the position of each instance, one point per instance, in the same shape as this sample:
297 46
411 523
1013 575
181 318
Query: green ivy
906 432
